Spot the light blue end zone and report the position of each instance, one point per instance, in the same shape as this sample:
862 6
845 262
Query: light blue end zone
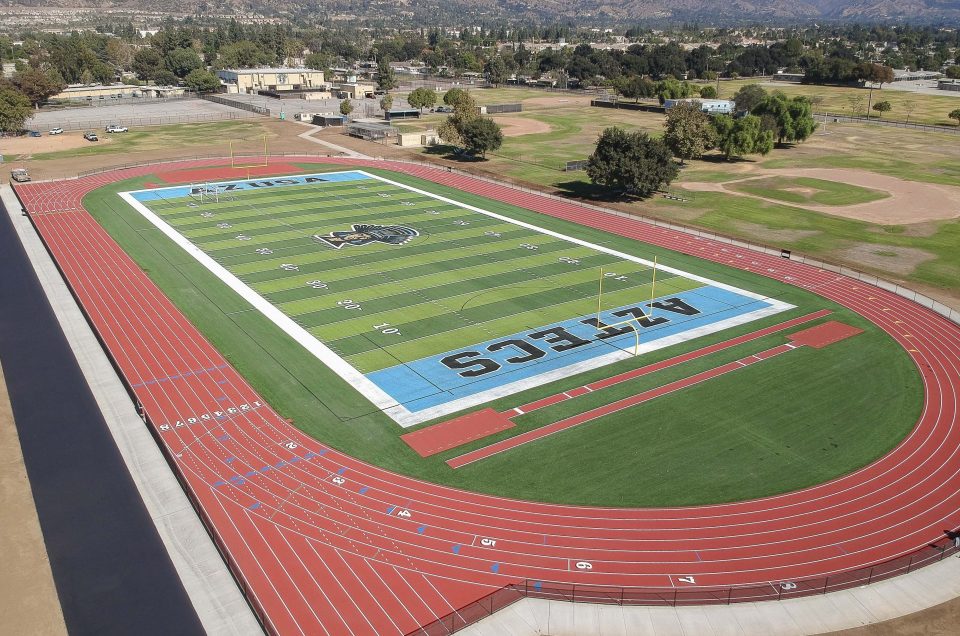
249 184
427 382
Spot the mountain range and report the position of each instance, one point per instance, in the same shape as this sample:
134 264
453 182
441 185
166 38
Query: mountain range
429 12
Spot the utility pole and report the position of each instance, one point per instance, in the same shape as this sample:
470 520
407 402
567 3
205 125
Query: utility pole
870 102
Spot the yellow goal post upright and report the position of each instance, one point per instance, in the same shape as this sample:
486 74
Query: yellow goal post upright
241 158
632 319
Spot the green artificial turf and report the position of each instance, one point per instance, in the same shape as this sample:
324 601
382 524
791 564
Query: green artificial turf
795 420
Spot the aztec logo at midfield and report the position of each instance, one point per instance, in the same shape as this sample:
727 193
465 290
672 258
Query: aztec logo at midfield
366 234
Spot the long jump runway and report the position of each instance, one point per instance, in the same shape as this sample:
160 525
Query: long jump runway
322 543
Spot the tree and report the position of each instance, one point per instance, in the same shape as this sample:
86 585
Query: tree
882 107
496 70
386 78
318 61
202 81
386 102
146 62
792 119
708 92
634 87
346 107
163 77
422 97
953 72
38 85
741 136
747 98
86 77
480 135
631 162
14 109
454 95
181 62
688 131
955 114
877 73
908 107
856 104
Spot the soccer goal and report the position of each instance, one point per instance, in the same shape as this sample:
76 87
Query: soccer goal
249 153
205 193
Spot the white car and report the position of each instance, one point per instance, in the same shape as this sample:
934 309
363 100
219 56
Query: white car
112 129
56 131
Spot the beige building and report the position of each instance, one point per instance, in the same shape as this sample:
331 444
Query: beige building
101 92
251 80
354 90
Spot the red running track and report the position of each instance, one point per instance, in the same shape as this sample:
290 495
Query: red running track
325 544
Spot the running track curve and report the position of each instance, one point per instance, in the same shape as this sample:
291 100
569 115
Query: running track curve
320 541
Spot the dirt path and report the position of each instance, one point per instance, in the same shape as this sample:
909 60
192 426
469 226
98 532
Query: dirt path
28 598
909 201
12 148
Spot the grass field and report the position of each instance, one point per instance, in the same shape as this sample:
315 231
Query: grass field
806 190
796 421
922 108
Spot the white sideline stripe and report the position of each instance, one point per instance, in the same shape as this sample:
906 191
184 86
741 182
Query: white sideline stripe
380 398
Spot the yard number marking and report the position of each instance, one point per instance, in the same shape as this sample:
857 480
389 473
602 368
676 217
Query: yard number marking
614 276
316 284
243 237
528 246
568 260
385 328
263 251
290 267
349 304
494 234
223 226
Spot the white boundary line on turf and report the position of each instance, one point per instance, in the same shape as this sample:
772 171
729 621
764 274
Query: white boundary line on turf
380 398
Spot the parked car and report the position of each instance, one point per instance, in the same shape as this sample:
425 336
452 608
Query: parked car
56 131
34 133
20 175
91 136
112 128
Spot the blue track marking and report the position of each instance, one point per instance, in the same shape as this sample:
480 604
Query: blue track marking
253 506
391 509
537 585
230 460
495 568
219 483
363 490
456 548
247 184
427 382
184 374
342 470
421 529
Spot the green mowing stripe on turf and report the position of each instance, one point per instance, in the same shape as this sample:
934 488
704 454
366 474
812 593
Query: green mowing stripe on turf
457 294
479 277
407 256
537 298
449 231
309 220
246 210
428 339
411 267
248 255
239 198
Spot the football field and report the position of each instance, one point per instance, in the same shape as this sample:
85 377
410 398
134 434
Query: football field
428 305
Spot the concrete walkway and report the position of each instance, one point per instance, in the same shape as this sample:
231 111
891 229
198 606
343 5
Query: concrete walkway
308 135
221 607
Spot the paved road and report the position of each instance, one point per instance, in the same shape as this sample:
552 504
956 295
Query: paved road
111 570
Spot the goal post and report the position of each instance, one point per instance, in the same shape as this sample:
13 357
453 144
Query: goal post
633 321
249 153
